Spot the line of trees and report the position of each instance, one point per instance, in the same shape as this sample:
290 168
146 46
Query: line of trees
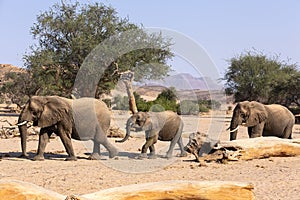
67 33
166 100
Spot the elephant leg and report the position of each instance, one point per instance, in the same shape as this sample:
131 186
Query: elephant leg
101 138
96 151
152 152
180 143
43 140
174 141
65 136
256 131
149 142
287 133
249 131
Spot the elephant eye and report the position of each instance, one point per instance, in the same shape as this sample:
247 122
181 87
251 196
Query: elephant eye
243 115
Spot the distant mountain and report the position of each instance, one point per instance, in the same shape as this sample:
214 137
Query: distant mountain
185 81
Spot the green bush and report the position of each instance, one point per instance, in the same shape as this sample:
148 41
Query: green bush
166 104
121 103
107 102
188 107
203 108
210 104
166 100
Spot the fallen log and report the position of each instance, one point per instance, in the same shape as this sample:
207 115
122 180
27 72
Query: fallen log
243 149
18 190
264 147
211 190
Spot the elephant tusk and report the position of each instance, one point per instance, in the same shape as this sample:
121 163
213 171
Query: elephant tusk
22 123
234 129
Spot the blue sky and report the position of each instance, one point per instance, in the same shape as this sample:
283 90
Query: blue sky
223 28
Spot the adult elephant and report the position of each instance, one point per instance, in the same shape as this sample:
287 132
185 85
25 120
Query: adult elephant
164 126
262 120
80 119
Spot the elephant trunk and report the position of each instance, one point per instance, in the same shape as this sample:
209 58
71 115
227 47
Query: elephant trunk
24 118
234 126
23 133
128 127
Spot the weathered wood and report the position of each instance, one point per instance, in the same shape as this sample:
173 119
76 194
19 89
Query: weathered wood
127 77
19 190
264 147
214 190
246 149
115 132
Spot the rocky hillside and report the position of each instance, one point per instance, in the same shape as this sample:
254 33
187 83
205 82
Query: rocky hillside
7 68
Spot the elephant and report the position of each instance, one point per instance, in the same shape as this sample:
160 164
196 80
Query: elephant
262 120
80 119
164 126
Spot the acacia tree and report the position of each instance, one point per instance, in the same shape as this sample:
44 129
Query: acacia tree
67 34
286 90
255 76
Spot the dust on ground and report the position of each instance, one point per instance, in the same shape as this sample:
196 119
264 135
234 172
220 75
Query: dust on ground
273 178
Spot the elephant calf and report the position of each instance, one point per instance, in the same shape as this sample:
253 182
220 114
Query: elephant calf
262 120
164 126
80 119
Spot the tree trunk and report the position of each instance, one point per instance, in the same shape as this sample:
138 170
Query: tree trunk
245 149
127 77
214 190
131 99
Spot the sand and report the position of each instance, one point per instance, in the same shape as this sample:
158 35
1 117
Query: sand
273 178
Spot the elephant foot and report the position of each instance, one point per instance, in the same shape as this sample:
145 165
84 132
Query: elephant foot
142 156
113 153
94 156
24 156
38 158
168 155
183 154
71 158
152 156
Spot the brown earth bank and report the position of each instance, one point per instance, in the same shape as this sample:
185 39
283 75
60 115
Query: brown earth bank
273 178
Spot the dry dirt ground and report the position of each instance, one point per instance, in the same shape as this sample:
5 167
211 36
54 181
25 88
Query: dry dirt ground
273 178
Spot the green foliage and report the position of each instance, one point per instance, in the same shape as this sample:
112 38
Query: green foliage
166 100
169 94
107 102
188 107
286 90
165 103
67 33
17 86
141 104
209 104
121 103
254 76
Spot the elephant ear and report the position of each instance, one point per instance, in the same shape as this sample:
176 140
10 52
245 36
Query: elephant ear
258 111
147 122
54 110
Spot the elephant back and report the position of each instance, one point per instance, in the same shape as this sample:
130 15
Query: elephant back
90 115
171 126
